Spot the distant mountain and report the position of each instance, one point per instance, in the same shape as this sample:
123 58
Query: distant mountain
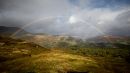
110 38
8 31
62 41
51 41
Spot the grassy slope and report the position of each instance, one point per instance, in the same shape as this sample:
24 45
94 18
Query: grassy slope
17 56
52 62
57 61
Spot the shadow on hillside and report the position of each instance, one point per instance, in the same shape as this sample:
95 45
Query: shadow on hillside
76 72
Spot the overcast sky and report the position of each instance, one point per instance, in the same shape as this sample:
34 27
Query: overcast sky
83 18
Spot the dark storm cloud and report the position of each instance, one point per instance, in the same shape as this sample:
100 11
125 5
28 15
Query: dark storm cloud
84 18
122 24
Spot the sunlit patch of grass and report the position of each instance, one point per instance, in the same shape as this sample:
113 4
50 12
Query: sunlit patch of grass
52 62
63 62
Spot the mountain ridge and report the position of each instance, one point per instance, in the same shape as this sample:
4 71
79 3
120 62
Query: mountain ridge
8 31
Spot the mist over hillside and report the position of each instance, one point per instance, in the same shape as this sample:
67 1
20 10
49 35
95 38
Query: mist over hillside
64 41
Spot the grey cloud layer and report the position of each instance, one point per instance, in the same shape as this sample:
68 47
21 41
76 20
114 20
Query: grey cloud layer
95 21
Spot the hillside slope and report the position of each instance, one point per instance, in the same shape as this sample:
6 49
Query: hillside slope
15 48
19 56
57 61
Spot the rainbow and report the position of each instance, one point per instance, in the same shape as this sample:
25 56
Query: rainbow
46 18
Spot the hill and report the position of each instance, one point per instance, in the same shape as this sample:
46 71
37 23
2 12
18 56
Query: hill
110 38
62 41
16 48
52 41
59 41
8 31
20 56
